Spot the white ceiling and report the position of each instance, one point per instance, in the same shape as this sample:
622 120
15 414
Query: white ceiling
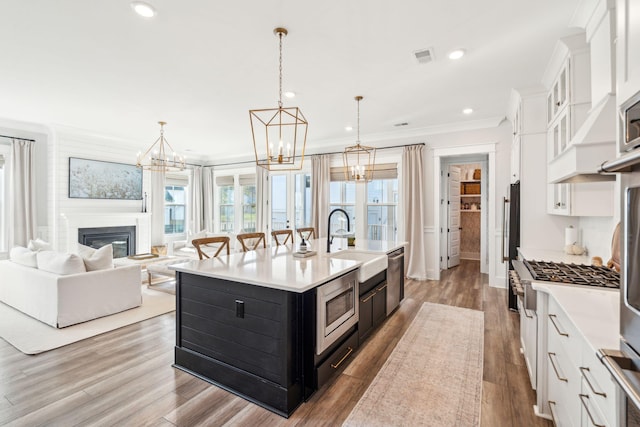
201 65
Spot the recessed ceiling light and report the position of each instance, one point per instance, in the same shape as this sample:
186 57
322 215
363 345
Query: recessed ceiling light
143 9
467 111
456 54
290 94
348 128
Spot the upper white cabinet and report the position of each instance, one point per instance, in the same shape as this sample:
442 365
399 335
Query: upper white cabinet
627 47
580 127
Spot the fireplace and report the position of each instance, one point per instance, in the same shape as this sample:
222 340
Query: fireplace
123 239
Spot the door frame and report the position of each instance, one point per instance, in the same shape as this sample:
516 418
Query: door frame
486 152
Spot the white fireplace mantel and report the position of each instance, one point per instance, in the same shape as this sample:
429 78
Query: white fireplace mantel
71 222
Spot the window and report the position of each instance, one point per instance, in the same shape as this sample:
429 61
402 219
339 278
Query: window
227 208
175 209
248 208
303 200
236 193
342 194
4 179
382 209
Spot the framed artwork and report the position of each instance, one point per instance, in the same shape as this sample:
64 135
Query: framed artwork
95 179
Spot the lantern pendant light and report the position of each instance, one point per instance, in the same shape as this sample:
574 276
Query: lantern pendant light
359 160
279 134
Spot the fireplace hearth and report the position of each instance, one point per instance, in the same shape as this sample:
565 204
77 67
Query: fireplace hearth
123 239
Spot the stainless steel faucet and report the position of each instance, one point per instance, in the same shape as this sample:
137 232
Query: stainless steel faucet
329 238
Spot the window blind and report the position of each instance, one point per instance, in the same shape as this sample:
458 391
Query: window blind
248 179
222 181
176 179
380 171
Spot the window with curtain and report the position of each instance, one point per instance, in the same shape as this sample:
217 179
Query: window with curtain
175 203
249 212
302 200
4 153
342 194
227 208
382 209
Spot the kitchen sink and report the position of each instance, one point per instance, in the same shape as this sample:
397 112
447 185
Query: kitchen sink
372 264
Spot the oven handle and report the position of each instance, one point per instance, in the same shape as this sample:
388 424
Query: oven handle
624 377
504 227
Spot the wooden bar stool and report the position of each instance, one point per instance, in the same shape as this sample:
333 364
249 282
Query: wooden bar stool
286 232
253 239
307 233
223 241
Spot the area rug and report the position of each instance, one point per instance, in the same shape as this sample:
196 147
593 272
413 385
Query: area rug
31 336
434 375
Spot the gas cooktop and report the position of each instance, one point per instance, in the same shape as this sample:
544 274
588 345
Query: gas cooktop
574 274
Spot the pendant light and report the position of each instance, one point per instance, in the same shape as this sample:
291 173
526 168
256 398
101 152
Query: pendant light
279 134
160 157
359 160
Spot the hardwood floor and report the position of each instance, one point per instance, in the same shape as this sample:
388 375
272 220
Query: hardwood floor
125 377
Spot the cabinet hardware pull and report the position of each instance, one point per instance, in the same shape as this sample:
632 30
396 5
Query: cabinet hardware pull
368 298
556 369
504 227
553 316
599 393
342 360
586 407
381 287
526 314
553 415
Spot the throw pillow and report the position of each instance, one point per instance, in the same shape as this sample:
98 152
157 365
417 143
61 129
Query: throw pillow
39 245
23 256
96 259
199 235
60 263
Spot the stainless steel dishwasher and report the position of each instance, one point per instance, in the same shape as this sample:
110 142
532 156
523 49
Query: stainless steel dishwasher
395 279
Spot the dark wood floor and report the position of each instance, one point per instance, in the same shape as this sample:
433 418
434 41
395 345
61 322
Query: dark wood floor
125 377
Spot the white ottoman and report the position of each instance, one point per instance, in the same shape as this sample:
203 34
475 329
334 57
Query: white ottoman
162 268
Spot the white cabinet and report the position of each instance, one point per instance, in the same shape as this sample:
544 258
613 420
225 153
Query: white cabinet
580 392
627 48
528 340
568 104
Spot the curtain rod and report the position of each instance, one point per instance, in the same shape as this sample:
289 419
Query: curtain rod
333 152
15 137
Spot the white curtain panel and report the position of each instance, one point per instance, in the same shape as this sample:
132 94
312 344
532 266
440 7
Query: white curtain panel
414 211
262 195
157 207
196 217
207 198
320 182
22 216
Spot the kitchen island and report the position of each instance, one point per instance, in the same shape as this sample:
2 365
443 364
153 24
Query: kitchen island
247 322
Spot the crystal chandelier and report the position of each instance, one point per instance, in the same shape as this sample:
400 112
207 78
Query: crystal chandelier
160 157
279 134
359 160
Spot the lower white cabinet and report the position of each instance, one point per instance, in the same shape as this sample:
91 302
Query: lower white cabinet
528 340
580 391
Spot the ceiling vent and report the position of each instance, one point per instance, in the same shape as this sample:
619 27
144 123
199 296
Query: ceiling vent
424 56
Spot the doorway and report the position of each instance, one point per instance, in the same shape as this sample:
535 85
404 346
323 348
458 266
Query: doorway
463 189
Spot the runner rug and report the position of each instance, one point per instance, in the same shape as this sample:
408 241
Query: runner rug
32 336
434 375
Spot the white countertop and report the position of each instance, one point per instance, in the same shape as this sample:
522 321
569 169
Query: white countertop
553 256
277 268
594 312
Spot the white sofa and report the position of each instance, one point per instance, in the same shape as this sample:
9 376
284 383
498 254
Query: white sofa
64 300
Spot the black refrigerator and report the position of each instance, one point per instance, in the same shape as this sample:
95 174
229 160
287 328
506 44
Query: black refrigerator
511 224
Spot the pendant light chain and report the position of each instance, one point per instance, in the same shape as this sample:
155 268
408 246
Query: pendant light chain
358 141
280 73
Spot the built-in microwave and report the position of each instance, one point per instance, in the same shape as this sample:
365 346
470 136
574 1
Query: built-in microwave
630 124
337 310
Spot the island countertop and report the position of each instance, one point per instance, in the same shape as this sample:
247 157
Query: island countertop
277 268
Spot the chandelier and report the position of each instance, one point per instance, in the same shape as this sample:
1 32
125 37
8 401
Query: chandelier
160 157
359 160
279 132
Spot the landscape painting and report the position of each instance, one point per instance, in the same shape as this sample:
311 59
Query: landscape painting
94 179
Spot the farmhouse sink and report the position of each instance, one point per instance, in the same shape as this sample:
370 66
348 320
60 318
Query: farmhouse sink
372 264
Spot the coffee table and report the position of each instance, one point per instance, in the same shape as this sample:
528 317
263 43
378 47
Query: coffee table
143 262
162 267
